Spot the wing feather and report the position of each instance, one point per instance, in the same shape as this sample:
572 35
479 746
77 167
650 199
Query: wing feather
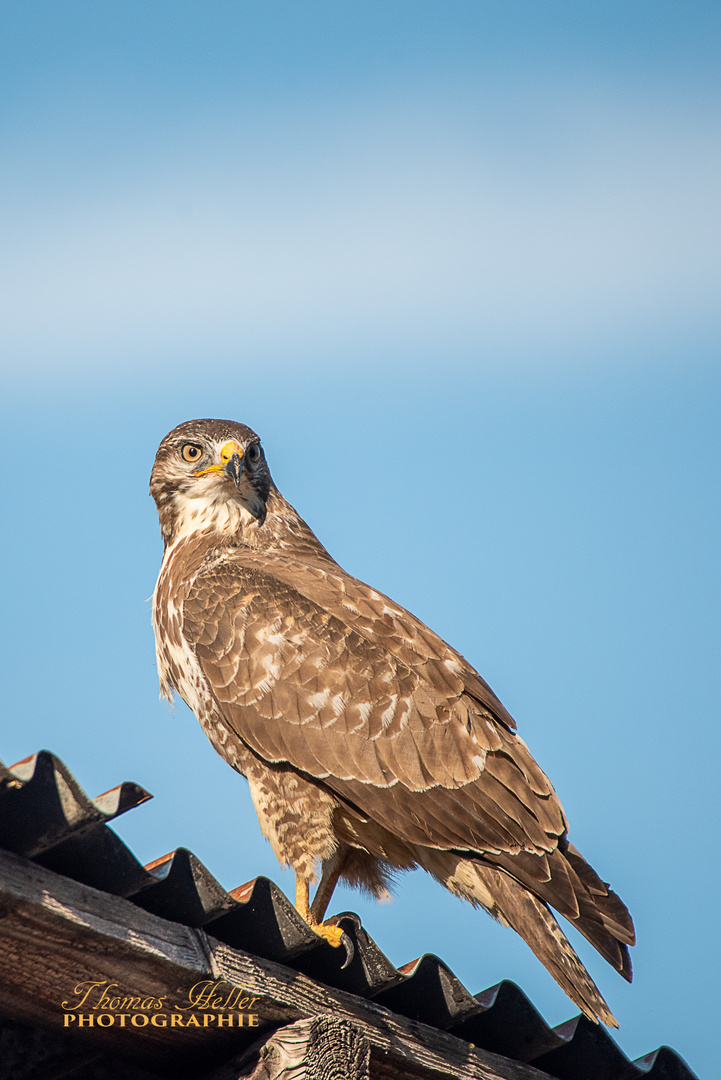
324 673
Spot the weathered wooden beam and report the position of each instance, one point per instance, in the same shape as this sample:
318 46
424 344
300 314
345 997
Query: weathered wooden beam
57 937
322 1048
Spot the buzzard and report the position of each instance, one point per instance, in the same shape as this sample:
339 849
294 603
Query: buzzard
369 744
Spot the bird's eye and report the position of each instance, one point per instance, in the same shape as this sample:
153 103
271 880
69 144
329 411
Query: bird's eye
190 452
253 453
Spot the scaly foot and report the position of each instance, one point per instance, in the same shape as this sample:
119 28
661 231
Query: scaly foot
337 938
330 933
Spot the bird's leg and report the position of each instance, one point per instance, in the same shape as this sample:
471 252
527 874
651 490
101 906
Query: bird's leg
332 934
302 898
332 868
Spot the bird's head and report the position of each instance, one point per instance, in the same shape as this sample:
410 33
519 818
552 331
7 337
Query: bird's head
210 474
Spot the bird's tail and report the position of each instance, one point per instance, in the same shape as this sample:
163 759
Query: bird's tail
512 904
534 921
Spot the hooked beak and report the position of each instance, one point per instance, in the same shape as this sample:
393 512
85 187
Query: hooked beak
231 462
234 468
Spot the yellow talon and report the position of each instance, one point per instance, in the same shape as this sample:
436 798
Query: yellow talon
332 934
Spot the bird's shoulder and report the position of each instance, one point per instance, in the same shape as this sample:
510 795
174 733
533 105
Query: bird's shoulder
309 585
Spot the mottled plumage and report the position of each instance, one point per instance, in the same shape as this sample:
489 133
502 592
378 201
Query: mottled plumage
370 745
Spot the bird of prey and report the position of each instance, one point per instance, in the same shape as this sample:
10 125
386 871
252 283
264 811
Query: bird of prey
369 744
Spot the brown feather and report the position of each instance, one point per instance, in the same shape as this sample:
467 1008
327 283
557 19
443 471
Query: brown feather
369 743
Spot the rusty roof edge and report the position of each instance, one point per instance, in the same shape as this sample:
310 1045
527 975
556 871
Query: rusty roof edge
52 805
508 1023
67 832
583 1041
45 766
431 993
662 1064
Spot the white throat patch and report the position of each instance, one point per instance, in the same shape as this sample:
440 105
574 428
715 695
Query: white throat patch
208 512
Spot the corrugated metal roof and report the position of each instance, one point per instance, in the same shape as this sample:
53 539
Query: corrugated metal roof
45 816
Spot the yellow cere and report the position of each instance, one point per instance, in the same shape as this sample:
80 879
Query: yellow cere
230 448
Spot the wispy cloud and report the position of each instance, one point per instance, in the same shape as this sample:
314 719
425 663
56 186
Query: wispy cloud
569 217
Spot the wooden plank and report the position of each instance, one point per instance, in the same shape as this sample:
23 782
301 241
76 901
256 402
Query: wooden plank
57 937
390 1035
322 1048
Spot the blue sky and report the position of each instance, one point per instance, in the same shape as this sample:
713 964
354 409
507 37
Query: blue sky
457 263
